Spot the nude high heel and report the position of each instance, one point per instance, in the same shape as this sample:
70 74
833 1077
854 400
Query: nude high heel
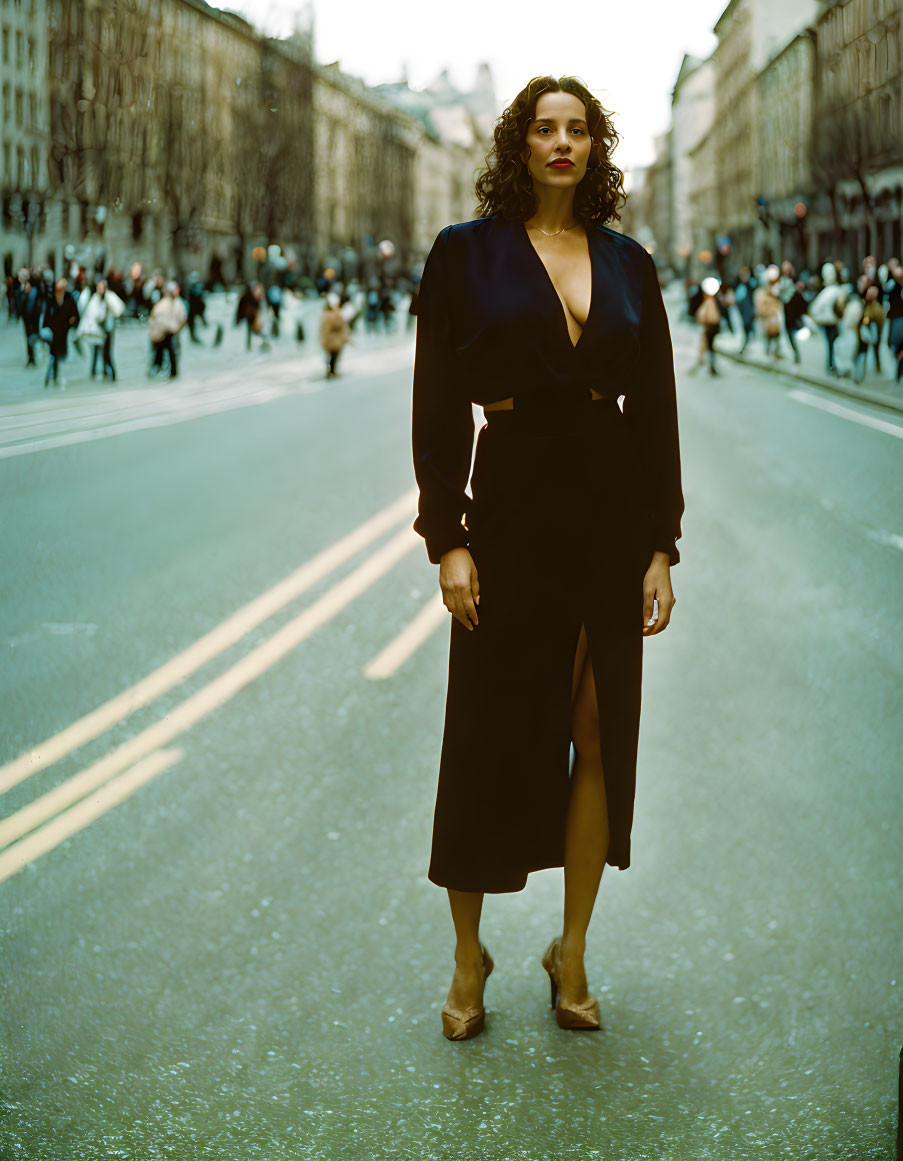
586 1017
457 1025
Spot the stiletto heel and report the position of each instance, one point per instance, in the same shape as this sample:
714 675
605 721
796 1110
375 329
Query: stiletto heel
582 1019
458 1025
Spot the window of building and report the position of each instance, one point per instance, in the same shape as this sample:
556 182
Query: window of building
19 108
31 54
6 46
20 49
7 110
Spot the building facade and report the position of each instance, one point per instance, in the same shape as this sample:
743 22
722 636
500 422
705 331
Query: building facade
177 136
692 117
858 137
24 121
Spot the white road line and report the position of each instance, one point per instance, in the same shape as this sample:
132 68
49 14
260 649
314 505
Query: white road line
218 640
162 419
219 691
125 407
409 640
838 409
889 538
78 817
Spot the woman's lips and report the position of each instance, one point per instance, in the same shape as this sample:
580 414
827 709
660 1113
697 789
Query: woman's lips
563 164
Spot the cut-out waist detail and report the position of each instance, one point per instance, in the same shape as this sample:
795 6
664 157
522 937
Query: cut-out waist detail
508 404
567 414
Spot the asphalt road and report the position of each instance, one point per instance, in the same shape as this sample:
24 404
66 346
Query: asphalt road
218 940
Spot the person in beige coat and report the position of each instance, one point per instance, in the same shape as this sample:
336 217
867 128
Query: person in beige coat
167 318
770 311
334 333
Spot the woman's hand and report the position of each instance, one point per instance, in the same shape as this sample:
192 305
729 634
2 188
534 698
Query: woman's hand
460 587
657 585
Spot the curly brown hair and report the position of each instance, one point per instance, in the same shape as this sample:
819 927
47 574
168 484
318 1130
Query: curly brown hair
505 186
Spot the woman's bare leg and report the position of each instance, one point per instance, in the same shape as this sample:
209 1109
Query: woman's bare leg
467 986
586 835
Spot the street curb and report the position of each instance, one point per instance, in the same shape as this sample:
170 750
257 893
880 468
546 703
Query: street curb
838 387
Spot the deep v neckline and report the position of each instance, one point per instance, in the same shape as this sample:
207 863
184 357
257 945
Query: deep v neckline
561 306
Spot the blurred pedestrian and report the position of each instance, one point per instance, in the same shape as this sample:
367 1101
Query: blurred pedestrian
167 318
99 311
794 305
60 316
893 290
827 309
250 311
371 308
708 315
196 305
334 332
31 306
743 298
770 311
387 309
274 299
870 327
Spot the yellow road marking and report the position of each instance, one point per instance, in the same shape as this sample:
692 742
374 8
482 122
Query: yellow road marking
409 640
217 641
213 695
78 817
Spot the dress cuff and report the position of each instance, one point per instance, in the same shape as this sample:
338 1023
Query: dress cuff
662 544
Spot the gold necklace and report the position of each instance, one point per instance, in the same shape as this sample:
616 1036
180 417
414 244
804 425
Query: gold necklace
554 232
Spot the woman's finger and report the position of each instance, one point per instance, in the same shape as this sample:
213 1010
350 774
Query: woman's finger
648 598
470 606
665 605
457 608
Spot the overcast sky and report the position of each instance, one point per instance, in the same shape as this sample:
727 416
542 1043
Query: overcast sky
627 53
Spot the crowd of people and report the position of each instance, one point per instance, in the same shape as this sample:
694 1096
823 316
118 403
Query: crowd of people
84 313
858 314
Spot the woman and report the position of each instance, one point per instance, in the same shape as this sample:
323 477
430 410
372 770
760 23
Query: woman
99 312
167 318
60 317
827 310
334 332
708 315
893 289
544 316
870 327
770 311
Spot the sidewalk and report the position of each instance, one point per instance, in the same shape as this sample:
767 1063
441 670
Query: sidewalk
198 362
875 388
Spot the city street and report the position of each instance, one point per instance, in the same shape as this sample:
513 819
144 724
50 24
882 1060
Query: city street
223 703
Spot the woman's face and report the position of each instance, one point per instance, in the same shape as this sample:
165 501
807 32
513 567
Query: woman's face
557 132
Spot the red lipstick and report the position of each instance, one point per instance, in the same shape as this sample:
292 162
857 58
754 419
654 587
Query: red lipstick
561 163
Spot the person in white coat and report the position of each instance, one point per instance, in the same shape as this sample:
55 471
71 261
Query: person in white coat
99 311
827 309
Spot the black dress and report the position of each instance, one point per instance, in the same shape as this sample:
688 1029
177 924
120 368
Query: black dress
570 498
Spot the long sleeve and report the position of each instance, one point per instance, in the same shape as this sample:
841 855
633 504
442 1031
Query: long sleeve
650 407
442 419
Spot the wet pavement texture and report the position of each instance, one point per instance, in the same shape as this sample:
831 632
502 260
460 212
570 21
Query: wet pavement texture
244 958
